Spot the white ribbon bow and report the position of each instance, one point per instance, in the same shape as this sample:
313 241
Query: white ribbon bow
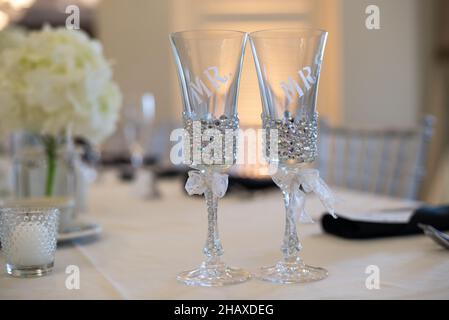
198 182
310 181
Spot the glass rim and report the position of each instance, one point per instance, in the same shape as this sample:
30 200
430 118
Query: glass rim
24 211
303 32
38 202
197 33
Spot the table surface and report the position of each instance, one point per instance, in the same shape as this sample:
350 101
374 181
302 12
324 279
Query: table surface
144 245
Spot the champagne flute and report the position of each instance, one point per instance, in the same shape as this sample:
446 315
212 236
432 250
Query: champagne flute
209 63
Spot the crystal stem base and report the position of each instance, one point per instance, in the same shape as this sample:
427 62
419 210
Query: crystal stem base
213 275
294 271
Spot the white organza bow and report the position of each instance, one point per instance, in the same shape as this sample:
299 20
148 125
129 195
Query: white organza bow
198 182
309 179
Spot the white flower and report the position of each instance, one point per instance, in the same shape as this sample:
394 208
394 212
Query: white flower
56 79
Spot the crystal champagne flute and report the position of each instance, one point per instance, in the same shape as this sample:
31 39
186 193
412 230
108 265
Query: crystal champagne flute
209 63
288 63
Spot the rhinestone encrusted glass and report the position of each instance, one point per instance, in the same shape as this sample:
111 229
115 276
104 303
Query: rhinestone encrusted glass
226 126
297 139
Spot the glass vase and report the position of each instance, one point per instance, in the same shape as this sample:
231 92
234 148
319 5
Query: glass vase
5 172
44 174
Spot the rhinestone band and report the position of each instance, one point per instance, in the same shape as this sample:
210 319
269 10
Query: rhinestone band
297 139
222 124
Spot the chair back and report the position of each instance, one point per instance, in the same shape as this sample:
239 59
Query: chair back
390 162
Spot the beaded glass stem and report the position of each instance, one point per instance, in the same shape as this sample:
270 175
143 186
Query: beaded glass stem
288 63
209 63
291 269
290 246
213 248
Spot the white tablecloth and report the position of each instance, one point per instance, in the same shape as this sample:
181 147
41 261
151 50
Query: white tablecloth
146 243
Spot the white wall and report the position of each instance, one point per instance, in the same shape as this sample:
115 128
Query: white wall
135 36
382 83
370 78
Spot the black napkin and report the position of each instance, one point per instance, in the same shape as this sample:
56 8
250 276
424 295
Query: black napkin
437 216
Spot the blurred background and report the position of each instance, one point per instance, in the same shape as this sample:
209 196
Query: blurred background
379 83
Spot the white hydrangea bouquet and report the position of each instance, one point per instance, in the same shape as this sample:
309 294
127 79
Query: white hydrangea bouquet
54 80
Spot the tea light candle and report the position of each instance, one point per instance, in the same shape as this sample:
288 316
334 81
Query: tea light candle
28 236
30 245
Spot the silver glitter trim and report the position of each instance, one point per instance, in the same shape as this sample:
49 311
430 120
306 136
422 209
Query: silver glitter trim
222 124
297 139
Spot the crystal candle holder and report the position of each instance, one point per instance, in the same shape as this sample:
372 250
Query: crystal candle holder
28 237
